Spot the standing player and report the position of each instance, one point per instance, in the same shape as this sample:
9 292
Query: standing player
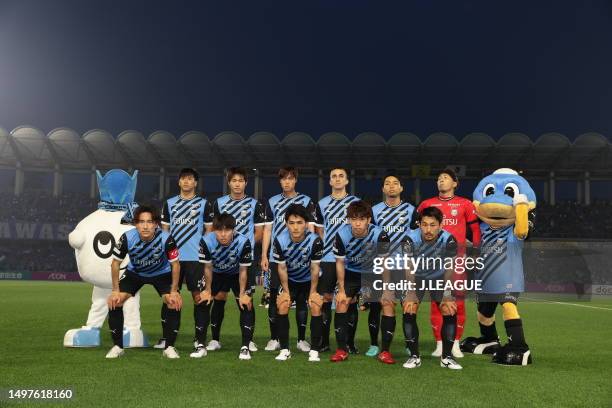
249 216
355 248
433 246
184 216
331 216
226 255
275 225
153 260
459 213
396 218
297 252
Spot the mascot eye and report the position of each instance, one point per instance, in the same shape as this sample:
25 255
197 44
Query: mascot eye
103 244
488 190
511 190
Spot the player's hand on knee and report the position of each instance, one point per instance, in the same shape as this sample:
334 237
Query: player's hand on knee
341 298
410 307
282 299
245 302
448 307
315 300
204 297
114 300
174 300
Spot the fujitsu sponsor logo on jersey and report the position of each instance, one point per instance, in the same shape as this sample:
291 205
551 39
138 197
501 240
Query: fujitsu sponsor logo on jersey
394 228
450 221
337 220
184 221
146 262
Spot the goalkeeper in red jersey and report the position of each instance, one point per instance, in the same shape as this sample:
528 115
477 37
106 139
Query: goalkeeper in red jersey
459 214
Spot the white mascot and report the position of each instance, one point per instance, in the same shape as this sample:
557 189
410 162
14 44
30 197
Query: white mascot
93 240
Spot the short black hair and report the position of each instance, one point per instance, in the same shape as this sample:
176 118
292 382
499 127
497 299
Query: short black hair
392 174
241 171
224 221
344 169
287 171
296 210
359 209
451 173
147 209
434 212
188 171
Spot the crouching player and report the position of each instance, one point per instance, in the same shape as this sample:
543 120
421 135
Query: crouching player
228 254
356 245
153 260
298 252
433 248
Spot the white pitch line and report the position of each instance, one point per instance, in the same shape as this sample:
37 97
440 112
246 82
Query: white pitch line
568 304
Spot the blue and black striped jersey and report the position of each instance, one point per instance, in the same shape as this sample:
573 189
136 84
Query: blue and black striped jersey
395 221
147 258
359 253
502 257
433 253
275 213
226 258
297 255
247 211
331 216
186 219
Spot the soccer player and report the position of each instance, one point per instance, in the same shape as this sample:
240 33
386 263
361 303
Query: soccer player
330 217
276 208
433 247
153 260
297 252
184 216
459 214
226 255
396 218
249 216
355 248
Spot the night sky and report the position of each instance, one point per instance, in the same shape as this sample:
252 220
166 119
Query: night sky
314 66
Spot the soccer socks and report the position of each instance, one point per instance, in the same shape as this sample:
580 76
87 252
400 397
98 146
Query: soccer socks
352 318
435 317
489 333
516 337
115 324
341 327
374 322
316 331
387 326
411 333
460 318
247 325
301 318
173 321
282 327
217 313
201 317
272 314
449 327
326 316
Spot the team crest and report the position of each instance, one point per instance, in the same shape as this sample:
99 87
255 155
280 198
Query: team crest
454 212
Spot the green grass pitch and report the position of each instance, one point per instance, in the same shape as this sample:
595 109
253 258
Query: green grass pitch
571 347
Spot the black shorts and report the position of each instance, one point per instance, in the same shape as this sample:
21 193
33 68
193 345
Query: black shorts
501 298
327 278
274 279
297 290
192 272
434 295
352 283
131 283
224 282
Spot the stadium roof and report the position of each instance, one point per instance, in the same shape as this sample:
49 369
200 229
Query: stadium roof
66 149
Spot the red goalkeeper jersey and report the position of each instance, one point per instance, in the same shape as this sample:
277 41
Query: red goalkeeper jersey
459 213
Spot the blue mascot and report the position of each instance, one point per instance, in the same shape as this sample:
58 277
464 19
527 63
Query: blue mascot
505 203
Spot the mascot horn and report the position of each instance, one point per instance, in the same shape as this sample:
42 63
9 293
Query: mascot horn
93 240
505 204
